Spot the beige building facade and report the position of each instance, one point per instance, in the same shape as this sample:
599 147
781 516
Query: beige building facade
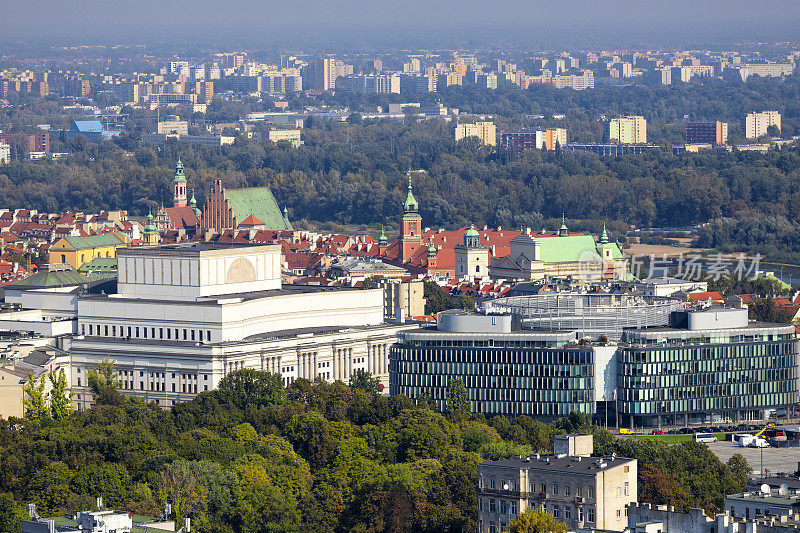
485 131
628 130
584 492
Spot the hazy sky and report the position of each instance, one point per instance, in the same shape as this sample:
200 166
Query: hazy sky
376 21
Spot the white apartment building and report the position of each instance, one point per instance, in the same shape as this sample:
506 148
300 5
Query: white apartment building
756 124
5 153
185 315
628 130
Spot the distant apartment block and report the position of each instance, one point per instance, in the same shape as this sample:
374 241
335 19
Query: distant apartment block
707 133
417 83
449 78
687 72
28 142
662 76
628 130
518 142
756 124
292 136
766 70
321 73
5 153
173 125
485 131
370 83
578 83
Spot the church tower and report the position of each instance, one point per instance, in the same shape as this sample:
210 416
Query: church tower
411 239
150 233
179 185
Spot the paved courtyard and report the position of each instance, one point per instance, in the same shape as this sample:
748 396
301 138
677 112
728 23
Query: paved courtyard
775 459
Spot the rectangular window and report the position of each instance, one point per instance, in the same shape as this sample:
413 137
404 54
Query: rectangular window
555 490
566 490
512 508
503 507
105 331
567 513
579 491
192 334
556 512
590 514
79 382
492 505
619 514
590 492
90 329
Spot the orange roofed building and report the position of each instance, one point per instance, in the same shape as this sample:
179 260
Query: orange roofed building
499 253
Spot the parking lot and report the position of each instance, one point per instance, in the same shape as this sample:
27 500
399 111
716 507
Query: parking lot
775 459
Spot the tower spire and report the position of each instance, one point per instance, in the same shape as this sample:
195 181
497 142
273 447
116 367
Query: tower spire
604 235
179 186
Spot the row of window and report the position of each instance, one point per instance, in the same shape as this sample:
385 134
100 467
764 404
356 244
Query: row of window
773 385
542 356
725 378
709 353
734 403
146 332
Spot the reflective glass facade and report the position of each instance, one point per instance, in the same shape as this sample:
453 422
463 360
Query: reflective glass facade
506 376
734 375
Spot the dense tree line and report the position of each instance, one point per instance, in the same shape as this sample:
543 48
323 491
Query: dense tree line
255 456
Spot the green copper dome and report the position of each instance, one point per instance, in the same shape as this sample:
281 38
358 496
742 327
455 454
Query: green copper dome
193 205
471 232
150 228
382 240
431 250
179 172
563 231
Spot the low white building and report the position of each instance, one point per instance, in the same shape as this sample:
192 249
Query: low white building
185 315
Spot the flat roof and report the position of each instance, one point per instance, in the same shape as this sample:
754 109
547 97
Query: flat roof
285 290
577 465
193 249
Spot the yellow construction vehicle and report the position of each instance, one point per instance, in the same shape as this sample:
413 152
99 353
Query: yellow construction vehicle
760 433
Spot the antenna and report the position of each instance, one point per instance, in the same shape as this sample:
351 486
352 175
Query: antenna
784 489
765 489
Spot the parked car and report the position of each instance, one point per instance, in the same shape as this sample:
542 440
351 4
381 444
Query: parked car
625 431
657 432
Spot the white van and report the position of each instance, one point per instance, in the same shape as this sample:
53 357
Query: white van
704 437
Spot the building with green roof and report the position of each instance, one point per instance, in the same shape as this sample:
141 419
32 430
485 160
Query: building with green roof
227 208
75 251
565 255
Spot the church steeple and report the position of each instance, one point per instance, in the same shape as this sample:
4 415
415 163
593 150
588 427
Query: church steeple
604 235
563 231
383 242
193 205
179 186
410 205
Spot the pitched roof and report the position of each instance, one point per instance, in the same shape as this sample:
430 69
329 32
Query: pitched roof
99 264
259 202
87 125
182 217
704 296
53 277
94 241
251 221
567 249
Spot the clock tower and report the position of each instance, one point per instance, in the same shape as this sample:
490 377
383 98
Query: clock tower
412 225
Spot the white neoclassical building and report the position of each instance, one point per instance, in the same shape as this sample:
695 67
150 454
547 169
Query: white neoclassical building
185 315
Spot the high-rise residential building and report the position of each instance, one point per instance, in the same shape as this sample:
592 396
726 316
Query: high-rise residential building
756 124
321 73
449 78
370 83
28 142
628 130
707 133
486 81
485 131
417 83
5 153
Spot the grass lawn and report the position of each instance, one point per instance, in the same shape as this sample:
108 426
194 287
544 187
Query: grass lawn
671 439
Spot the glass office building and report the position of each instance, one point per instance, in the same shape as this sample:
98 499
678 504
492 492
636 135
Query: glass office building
542 374
684 376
